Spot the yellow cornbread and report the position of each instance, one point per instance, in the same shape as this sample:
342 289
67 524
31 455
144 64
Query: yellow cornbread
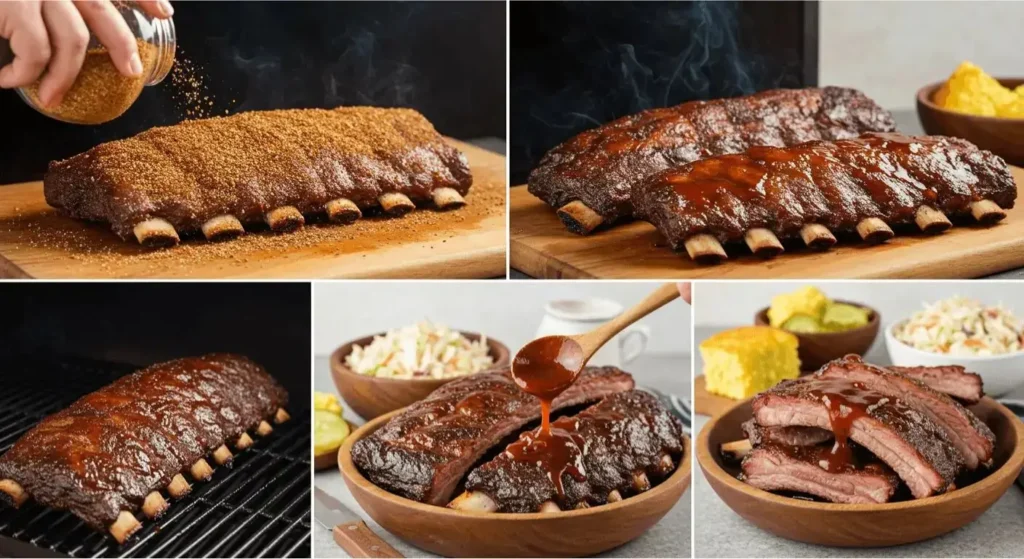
741 362
970 90
807 300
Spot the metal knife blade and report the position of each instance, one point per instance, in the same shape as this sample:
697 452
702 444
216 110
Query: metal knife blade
330 512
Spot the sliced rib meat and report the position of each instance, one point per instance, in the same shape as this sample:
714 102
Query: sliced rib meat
424 452
777 468
899 435
790 435
954 380
972 438
624 435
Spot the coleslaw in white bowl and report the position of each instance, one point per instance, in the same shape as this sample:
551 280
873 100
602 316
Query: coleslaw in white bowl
423 350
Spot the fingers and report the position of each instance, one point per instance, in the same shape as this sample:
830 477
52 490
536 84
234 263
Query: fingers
157 8
69 39
112 32
31 47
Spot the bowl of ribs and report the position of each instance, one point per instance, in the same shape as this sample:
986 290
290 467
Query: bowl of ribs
371 397
453 473
1001 135
842 456
816 349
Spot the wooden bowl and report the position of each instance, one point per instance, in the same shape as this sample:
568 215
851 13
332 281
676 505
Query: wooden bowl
817 349
456 533
862 525
1002 136
372 396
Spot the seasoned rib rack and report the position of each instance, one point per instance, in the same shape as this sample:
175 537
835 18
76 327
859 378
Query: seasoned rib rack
628 442
775 467
815 189
589 179
215 174
424 452
953 380
109 454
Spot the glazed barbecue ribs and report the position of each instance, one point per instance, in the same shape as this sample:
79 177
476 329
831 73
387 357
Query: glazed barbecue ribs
589 179
214 175
810 190
109 453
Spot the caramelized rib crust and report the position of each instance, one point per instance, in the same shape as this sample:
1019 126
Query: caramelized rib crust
600 166
248 164
107 451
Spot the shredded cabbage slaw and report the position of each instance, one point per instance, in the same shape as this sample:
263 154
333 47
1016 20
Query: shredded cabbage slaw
962 326
423 350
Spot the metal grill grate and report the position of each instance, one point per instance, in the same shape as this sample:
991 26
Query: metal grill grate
259 507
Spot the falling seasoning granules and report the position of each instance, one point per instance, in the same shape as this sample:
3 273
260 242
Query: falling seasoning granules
100 92
189 89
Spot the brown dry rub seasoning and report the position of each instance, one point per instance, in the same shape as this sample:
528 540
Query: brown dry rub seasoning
100 92
250 163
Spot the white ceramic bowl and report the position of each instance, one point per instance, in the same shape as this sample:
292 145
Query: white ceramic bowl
1000 373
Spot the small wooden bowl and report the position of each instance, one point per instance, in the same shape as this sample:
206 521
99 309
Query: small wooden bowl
862 525
454 533
372 396
1002 136
817 349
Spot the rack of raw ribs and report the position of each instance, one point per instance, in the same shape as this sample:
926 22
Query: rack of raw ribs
444 446
804 164
857 433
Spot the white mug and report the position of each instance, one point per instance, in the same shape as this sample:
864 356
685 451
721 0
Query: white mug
567 317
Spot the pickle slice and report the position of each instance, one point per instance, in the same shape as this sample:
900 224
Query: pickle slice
329 431
803 324
327 402
840 316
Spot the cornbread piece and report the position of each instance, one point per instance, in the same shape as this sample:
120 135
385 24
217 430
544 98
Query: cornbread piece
593 462
112 451
741 362
425 451
216 175
864 185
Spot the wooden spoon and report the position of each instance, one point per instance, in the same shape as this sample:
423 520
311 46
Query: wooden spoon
547 366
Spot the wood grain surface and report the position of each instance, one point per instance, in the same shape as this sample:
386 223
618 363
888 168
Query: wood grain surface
466 243
541 247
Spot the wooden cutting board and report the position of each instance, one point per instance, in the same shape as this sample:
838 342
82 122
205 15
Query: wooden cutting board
541 247
469 242
706 403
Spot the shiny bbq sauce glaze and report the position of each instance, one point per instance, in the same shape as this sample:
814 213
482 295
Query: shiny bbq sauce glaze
846 401
544 368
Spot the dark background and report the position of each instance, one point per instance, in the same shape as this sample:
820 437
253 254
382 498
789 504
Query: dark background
576 65
445 59
145 323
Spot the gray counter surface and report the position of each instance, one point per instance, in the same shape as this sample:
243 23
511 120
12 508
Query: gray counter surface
669 538
719 532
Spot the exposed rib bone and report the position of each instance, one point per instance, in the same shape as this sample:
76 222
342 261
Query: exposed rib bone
666 464
614 496
549 506
156 232
640 482
244 441
281 416
396 203
178 487
285 218
474 501
705 249
763 242
446 198
343 210
874 230
817 236
264 429
201 470
987 211
735 450
15 491
579 218
154 505
931 220
222 227
222 455
125 525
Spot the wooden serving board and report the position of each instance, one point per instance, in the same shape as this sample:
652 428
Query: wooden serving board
541 247
36 242
706 403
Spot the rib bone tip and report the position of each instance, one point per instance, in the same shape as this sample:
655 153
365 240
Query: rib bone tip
930 220
222 455
343 210
156 233
201 470
549 506
987 211
264 429
579 218
817 236
285 218
763 242
281 416
15 491
222 227
396 204
125 525
154 505
447 198
614 496
244 441
705 249
178 487
874 230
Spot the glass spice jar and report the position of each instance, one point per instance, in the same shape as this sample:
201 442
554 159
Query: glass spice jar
100 92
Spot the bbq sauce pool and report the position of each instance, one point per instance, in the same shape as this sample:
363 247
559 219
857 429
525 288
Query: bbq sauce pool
544 368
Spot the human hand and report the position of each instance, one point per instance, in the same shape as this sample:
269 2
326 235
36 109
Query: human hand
52 37
685 291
